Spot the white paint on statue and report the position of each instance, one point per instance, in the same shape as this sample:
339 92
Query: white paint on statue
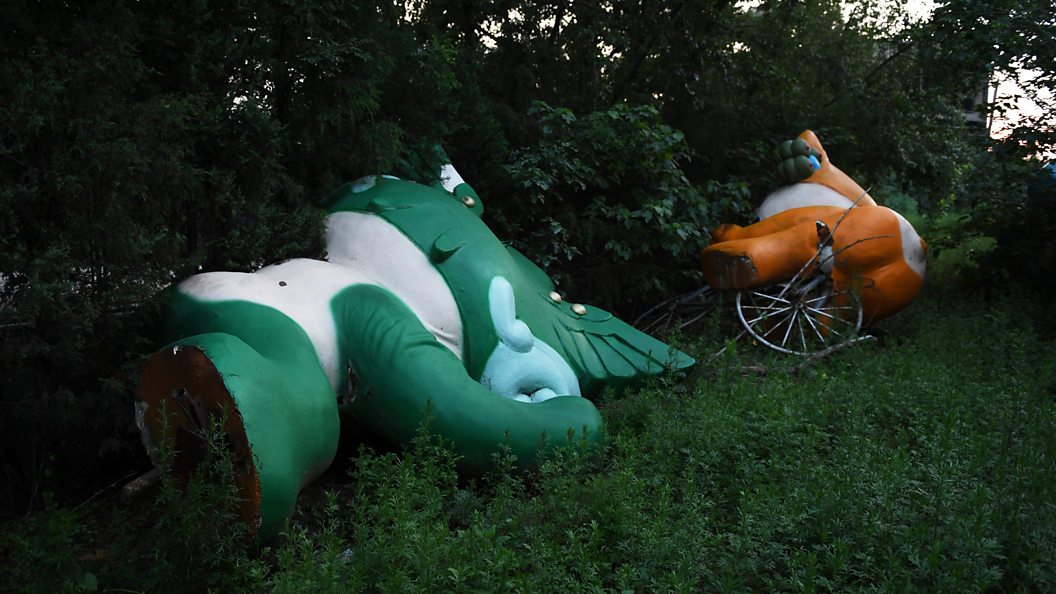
913 251
363 249
450 178
800 195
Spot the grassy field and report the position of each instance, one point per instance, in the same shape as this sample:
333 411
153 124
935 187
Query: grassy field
924 461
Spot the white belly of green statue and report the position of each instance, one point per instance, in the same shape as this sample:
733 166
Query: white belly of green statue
362 249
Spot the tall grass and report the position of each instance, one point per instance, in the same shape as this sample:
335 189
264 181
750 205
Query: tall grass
922 462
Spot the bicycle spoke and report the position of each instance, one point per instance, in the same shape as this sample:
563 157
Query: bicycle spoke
802 334
765 307
835 319
772 328
771 297
795 313
824 313
814 327
769 315
773 319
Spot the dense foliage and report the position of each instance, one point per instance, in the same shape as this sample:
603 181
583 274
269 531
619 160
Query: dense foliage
141 142
918 463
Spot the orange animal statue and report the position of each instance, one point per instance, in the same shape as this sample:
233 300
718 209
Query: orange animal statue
873 252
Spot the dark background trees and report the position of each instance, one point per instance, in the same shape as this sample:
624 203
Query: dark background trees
141 142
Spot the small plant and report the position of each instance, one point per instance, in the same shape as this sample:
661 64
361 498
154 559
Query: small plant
41 555
921 462
194 537
958 250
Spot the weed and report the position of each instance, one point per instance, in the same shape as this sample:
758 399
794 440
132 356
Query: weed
922 462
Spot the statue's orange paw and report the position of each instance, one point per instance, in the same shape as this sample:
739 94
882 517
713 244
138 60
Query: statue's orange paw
727 270
725 232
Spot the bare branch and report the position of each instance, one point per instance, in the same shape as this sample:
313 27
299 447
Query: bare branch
832 349
140 484
762 370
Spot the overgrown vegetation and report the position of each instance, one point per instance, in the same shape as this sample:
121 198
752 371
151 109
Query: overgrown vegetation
140 143
920 463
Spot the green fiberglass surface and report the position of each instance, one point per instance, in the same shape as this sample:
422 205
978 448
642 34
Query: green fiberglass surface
452 330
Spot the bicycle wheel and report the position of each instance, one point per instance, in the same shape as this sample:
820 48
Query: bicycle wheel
800 320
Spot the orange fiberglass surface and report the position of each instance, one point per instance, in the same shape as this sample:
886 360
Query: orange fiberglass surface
822 223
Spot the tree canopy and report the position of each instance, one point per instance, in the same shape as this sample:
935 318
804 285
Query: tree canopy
142 142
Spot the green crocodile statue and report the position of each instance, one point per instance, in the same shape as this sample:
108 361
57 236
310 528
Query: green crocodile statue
418 312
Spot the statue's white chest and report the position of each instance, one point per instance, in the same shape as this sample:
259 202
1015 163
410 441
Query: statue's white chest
800 195
361 249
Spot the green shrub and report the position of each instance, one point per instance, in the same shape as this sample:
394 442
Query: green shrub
192 537
920 462
958 251
915 464
41 556
606 207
